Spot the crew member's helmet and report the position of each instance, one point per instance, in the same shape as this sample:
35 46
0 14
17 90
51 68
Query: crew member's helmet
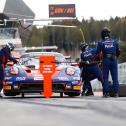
83 46
105 32
10 46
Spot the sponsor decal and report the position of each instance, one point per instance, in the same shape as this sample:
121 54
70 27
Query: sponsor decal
20 78
76 78
109 46
7 78
9 82
87 54
63 78
35 72
38 78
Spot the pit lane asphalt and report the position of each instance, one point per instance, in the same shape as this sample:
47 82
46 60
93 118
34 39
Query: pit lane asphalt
66 111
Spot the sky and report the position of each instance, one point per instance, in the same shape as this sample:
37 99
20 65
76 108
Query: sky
98 9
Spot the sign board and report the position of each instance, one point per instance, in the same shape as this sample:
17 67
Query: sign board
62 10
47 69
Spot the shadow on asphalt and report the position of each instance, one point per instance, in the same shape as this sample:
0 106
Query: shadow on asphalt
34 96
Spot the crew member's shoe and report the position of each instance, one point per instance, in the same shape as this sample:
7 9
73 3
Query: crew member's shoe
89 93
83 93
106 95
116 95
1 96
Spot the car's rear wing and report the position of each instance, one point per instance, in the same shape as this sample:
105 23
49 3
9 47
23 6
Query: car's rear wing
42 48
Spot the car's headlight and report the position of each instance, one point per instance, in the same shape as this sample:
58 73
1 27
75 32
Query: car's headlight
13 70
70 71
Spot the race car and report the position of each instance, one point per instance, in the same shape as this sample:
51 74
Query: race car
26 77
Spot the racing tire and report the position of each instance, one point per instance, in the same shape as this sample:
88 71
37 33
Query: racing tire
61 95
10 94
22 95
71 94
122 90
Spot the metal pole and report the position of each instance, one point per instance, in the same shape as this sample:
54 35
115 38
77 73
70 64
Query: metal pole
82 34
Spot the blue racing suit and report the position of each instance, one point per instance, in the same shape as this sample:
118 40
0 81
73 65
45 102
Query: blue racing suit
5 54
90 71
110 50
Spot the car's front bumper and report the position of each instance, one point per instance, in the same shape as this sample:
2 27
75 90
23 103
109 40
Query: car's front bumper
37 87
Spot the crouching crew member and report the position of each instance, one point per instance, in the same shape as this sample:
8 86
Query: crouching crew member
5 54
90 68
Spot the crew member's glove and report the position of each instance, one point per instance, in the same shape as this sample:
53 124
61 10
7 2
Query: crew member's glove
87 62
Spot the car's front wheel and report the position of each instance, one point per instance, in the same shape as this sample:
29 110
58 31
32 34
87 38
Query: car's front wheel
10 94
72 94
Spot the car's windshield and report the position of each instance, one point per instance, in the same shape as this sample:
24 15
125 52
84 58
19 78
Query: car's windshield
33 58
